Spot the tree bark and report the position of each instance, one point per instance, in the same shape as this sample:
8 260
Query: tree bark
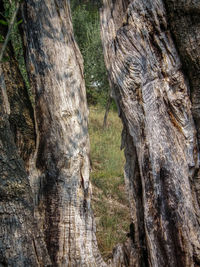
21 117
159 135
60 170
21 242
184 23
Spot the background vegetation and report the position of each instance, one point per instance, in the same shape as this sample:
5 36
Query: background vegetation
110 204
86 25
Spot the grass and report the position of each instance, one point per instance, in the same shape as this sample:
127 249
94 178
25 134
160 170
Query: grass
110 203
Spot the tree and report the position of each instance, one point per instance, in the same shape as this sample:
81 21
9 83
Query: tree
159 133
184 24
46 217
21 241
59 173
22 244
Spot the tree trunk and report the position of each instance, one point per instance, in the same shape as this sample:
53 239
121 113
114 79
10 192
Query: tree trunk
22 243
159 133
60 170
184 22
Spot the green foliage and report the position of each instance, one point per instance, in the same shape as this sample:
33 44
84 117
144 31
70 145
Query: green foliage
3 22
86 24
5 59
19 22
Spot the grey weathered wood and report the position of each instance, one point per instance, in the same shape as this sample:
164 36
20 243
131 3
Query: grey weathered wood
59 173
159 134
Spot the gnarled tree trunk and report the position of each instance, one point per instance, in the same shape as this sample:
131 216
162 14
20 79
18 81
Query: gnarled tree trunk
159 133
59 173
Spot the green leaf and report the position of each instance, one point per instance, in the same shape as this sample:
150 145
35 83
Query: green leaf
1 38
3 22
19 22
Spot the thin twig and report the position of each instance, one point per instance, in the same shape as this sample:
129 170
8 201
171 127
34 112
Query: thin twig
11 24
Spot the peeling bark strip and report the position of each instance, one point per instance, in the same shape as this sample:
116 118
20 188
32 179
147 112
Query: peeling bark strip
18 230
159 133
60 171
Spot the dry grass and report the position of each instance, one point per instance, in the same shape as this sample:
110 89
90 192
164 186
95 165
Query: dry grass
110 204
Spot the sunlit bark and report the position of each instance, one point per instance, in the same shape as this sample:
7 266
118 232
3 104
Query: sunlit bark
60 171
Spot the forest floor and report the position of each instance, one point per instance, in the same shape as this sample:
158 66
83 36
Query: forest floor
110 204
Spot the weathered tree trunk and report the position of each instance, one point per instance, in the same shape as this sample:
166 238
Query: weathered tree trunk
21 242
159 134
59 173
184 22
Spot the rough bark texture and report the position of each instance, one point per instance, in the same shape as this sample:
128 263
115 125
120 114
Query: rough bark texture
60 168
184 22
21 242
21 112
159 134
